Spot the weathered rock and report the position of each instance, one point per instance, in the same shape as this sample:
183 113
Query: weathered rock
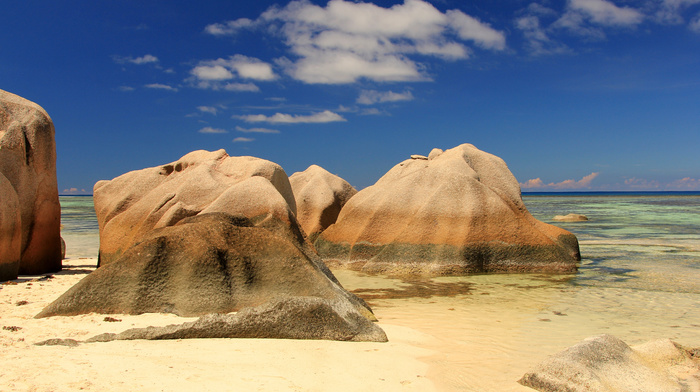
28 164
289 318
10 231
131 205
458 212
319 197
58 342
571 218
209 263
606 364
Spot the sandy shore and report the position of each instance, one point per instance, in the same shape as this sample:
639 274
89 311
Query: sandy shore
477 333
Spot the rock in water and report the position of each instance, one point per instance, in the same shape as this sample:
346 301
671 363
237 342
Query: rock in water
209 263
319 196
28 183
290 318
571 218
606 364
460 211
131 205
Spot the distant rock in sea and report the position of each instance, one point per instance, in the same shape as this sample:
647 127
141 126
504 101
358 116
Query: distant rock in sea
606 364
458 211
571 218
28 190
319 196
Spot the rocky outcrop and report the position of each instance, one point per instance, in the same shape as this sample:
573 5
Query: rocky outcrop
571 218
459 211
28 169
605 364
289 318
319 197
133 204
209 263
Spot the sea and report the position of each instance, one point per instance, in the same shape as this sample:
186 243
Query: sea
639 279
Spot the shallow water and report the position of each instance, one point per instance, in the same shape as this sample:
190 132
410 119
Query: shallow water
639 279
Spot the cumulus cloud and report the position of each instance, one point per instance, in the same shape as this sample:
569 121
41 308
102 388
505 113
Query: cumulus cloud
671 11
159 86
370 97
685 184
346 41
281 118
243 140
214 74
537 183
212 130
256 130
536 36
588 17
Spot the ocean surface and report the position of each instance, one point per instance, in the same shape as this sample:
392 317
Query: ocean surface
639 279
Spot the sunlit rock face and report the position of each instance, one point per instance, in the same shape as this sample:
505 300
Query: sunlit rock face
319 196
28 190
454 212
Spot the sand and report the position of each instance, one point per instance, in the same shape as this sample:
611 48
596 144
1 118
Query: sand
476 333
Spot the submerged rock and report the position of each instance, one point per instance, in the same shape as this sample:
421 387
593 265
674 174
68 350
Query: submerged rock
606 364
289 318
459 211
319 197
28 189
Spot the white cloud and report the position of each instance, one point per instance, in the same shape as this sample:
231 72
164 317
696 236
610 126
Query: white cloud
208 109
370 97
243 140
256 130
670 11
281 118
212 130
538 40
346 41
606 13
211 72
243 66
583 183
145 59
695 24
125 88
159 86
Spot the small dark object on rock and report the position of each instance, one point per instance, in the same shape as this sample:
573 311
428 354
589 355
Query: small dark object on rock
20 303
545 320
557 313
11 328
111 319
58 342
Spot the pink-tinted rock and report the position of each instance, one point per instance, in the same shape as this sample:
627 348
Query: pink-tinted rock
320 196
10 231
28 163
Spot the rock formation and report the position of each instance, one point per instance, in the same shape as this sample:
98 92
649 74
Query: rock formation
571 218
605 364
459 211
28 186
131 205
319 196
289 318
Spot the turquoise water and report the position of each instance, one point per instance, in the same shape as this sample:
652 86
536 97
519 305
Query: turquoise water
79 227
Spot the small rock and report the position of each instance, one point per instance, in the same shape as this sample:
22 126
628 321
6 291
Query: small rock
422 157
571 218
58 342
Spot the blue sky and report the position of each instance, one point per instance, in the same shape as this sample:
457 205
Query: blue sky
573 95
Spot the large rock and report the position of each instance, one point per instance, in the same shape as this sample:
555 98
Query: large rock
319 196
607 364
28 167
209 263
131 205
289 318
10 231
459 211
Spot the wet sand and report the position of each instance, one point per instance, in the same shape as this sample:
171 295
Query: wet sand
475 333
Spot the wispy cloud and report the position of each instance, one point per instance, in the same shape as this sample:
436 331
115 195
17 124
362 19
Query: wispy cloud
256 130
583 183
208 109
159 86
125 88
145 59
212 130
243 140
347 41
371 97
281 118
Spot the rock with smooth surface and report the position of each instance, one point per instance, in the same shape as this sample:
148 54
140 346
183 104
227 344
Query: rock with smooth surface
10 231
458 212
289 318
319 197
133 204
571 218
28 168
209 263
607 364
